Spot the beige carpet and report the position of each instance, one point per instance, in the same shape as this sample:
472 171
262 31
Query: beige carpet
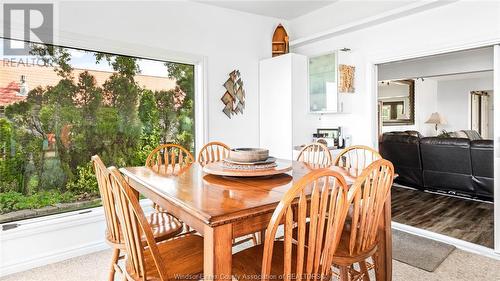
458 266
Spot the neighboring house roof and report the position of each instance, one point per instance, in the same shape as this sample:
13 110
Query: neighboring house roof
9 93
46 76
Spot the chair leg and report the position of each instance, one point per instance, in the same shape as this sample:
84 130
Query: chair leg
377 263
344 273
114 261
364 270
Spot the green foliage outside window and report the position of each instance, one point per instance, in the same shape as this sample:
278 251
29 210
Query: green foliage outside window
120 121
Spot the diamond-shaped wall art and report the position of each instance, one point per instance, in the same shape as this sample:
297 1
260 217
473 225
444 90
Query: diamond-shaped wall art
234 97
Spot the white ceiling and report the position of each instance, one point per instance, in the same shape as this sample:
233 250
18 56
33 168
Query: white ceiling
278 9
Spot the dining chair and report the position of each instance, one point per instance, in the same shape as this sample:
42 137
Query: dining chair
317 201
213 152
315 153
359 241
356 157
164 225
169 159
179 258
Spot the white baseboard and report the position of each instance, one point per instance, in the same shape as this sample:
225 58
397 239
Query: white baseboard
460 244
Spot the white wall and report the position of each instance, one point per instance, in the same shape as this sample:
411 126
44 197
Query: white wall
40 241
225 39
449 27
425 104
453 101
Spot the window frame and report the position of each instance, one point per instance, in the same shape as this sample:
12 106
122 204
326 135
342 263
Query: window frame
157 54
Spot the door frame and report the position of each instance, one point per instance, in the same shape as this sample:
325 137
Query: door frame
372 79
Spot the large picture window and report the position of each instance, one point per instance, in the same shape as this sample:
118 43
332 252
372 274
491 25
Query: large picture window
59 106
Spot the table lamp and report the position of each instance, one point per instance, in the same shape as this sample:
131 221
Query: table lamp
436 119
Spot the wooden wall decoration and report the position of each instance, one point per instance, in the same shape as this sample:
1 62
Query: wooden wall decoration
280 41
346 84
234 97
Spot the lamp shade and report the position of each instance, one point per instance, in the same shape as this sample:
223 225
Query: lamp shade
436 119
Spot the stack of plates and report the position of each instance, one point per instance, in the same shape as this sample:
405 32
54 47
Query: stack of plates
249 159
269 163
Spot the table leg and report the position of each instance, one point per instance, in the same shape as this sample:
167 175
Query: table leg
384 256
262 236
217 252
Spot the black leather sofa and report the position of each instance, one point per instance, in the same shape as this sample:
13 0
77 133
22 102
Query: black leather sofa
482 167
454 165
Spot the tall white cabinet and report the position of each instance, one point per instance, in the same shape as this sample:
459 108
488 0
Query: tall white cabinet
283 91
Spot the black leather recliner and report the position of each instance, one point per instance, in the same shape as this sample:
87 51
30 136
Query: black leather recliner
482 166
403 150
446 164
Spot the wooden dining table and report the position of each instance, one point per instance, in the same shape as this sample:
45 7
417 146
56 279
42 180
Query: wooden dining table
222 208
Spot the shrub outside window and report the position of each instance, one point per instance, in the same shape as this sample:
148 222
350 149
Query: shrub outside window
59 106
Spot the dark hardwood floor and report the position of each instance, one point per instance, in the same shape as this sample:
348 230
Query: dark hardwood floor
464 219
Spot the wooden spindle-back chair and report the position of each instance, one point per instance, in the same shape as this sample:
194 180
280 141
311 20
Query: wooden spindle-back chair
319 203
369 195
169 159
164 225
213 152
315 153
356 157
112 224
146 259
113 233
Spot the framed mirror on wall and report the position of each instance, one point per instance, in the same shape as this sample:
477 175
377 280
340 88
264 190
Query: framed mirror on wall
323 83
397 101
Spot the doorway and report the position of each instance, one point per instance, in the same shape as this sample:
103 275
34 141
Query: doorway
447 119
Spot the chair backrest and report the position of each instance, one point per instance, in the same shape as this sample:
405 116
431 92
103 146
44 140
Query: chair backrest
213 152
356 157
108 202
322 196
134 228
169 159
369 193
315 153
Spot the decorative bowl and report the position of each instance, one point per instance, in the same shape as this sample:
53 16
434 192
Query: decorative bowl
248 155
